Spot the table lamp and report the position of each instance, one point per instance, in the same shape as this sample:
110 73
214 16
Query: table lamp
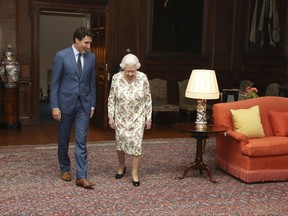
202 85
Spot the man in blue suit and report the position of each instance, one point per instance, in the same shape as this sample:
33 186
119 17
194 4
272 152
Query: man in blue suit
73 100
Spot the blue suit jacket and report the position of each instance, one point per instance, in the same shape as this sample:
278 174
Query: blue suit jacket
67 85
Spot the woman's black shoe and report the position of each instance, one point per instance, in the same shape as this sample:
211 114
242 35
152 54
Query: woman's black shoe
119 176
136 183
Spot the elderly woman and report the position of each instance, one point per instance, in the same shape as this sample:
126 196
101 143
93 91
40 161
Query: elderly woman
129 112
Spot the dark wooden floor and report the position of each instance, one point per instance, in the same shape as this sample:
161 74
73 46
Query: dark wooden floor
46 133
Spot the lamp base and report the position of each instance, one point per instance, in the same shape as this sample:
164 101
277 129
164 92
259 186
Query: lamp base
201 123
200 126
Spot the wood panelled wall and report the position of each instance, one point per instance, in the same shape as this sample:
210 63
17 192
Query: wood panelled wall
175 67
225 44
268 64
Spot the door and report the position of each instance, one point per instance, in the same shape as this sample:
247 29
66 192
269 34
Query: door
98 23
101 115
53 21
98 26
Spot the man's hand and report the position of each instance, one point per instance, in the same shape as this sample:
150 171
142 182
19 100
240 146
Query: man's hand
56 113
92 113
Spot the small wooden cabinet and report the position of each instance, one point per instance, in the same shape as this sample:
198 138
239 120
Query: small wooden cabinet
10 108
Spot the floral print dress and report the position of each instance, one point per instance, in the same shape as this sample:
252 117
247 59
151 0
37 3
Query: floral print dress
130 105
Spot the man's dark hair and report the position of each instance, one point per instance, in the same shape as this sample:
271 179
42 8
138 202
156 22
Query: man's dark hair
81 32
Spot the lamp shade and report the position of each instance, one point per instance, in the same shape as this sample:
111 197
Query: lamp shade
202 85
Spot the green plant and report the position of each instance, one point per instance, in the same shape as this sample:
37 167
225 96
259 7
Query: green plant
250 92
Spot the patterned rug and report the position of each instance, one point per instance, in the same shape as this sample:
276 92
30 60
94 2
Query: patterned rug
30 184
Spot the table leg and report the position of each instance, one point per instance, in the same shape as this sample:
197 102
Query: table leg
198 162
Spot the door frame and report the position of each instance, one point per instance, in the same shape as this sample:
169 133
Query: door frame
95 8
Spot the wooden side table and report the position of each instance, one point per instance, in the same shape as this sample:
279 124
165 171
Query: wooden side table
200 136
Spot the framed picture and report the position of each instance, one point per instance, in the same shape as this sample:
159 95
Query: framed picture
177 26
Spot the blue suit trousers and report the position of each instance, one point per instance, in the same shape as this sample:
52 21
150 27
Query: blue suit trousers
80 119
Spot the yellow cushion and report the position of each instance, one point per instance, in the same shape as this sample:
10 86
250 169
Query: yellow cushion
248 122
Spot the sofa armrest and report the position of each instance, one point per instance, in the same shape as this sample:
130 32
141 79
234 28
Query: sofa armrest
242 138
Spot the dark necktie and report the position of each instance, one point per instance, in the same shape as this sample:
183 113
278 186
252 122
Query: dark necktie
79 64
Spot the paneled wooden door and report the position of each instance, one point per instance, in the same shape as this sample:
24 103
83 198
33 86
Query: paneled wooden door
98 26
98 22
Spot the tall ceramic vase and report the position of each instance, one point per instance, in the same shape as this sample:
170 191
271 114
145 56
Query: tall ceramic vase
9 69
9 73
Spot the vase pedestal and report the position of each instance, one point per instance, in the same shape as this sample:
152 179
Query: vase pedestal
10 108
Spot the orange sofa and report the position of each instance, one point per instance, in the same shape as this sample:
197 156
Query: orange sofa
254 159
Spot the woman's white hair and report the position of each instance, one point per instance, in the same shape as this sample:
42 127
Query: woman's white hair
130 59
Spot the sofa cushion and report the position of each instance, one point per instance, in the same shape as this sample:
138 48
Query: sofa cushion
248 122
267 146
279 121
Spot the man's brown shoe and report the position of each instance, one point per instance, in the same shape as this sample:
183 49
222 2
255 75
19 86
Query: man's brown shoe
84 183
65 176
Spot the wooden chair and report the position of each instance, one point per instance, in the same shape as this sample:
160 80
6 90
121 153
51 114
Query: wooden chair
187 105
272 89
158 88
283 90
243 85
